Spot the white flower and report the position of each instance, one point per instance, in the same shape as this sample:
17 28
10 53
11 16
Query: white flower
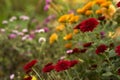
13 18
25 30
63 57
69 51
15 31
4 22
2 30
25 37
40 31
23 17
41 39
12 76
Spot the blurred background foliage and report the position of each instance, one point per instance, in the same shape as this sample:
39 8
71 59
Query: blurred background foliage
9 8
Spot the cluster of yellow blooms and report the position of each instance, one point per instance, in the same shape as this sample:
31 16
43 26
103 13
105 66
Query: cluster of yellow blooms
106 8
70 18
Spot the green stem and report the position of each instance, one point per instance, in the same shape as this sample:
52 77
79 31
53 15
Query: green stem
68 75
37 73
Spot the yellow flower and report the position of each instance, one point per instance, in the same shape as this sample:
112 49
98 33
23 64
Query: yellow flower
68 37
53 38
105 4
60 27
65 17
88 5
88 12
33 77
76 31
100 1
117 33
108 12
81 10
74 19
68 45
111 34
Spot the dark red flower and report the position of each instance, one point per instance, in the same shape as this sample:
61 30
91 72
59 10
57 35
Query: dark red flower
118 4
87 25
87 44
119 71
83 50
28 66
101 18
73 63
28 78
62 65
101 49
117 50
76 50
48 67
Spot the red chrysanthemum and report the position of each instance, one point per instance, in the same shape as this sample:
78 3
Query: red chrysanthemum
73 63
118 4
28 66
83 50
117 50
87 25
48 67
62 65
87 44
28 78
101 49
76 50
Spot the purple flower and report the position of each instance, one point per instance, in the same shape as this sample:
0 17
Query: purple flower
102 34
46 7
46 29
48 1
12 36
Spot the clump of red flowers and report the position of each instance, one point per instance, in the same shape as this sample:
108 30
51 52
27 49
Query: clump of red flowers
101 49
87 44
61 65
117 50
118 4
28 67
87 25
48 67
65 64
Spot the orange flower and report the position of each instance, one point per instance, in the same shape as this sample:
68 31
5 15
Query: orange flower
105 4
99 11
68 45
88 12
68 37
76 31
81 11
